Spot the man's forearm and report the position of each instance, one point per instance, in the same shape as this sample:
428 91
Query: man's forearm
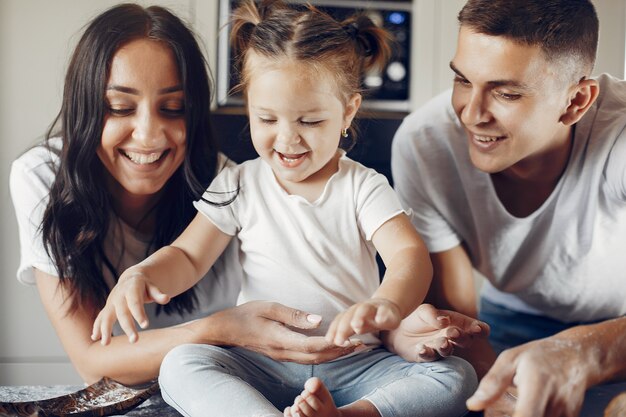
603 346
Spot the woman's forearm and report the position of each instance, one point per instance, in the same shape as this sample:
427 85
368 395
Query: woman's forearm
129 363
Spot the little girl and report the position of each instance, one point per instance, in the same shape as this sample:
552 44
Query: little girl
310 221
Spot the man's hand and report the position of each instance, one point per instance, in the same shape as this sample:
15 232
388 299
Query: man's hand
264 327
429 334
549 375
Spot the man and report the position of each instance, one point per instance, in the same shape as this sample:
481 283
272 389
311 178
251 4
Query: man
520 173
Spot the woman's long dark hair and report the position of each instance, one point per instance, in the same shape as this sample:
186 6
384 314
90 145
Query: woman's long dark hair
77 217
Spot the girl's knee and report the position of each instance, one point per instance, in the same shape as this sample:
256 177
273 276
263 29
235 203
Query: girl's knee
461 379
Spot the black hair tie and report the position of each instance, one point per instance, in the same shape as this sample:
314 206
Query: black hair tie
363 44
352 30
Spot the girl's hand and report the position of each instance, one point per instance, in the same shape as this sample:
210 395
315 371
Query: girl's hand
125 304
365 317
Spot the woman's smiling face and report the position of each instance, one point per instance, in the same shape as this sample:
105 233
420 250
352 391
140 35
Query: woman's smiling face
144 137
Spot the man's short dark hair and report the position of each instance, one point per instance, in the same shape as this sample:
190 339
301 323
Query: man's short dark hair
564 29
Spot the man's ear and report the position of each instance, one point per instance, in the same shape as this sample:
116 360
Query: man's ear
583 95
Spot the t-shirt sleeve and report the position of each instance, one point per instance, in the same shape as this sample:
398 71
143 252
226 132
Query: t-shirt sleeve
376 203
412 168
616 168
30 189
219 202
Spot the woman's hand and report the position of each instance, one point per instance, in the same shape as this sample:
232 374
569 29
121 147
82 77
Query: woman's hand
368 316
125 304
429 334
264 327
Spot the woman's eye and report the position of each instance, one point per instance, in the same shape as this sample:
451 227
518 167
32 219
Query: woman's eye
120 111
174 111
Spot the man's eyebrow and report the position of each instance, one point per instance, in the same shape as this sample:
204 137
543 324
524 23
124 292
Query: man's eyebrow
134 91
494 83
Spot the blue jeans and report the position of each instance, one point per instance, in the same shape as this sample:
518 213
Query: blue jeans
510 328
202 380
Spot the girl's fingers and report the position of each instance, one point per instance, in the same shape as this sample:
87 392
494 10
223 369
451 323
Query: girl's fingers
127 323
362 319
332 329
105 327
135 302
95 330
343 331
159 297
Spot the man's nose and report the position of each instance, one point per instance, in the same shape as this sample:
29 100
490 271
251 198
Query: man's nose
475 111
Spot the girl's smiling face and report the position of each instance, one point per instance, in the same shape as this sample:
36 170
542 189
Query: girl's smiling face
144 137
296 119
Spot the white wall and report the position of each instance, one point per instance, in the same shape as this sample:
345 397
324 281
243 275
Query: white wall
36 38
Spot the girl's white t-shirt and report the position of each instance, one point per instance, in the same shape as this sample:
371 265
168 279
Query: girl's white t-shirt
314 256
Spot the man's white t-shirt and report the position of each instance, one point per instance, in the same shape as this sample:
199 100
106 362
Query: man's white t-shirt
31 179
314 256
567 260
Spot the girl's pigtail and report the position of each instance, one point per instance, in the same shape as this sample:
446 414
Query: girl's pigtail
244 20
373 44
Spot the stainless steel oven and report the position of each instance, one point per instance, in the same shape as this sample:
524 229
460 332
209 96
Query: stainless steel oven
387 90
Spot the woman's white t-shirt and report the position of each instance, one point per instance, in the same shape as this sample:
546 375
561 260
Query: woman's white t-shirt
31 179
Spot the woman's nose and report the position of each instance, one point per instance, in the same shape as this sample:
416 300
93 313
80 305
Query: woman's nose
148 129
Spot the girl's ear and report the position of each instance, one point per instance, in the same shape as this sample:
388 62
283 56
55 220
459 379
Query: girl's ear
583 95
351 108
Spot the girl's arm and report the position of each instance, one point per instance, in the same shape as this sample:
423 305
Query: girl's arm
260 326
404 286
166 273
409 270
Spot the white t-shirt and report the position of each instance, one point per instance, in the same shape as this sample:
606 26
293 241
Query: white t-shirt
567 260
317 257
31 178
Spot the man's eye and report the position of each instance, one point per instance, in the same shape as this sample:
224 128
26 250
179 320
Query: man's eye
461 80
509 96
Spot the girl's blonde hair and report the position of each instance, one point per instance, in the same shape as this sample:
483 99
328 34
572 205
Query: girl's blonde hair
273 29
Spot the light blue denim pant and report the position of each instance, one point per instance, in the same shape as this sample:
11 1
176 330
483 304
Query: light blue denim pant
202 380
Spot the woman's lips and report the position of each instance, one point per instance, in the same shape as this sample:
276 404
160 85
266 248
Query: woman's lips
142 158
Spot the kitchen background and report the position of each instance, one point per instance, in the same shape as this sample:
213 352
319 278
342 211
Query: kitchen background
36 38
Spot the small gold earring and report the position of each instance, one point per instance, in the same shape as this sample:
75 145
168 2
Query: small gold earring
344 132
